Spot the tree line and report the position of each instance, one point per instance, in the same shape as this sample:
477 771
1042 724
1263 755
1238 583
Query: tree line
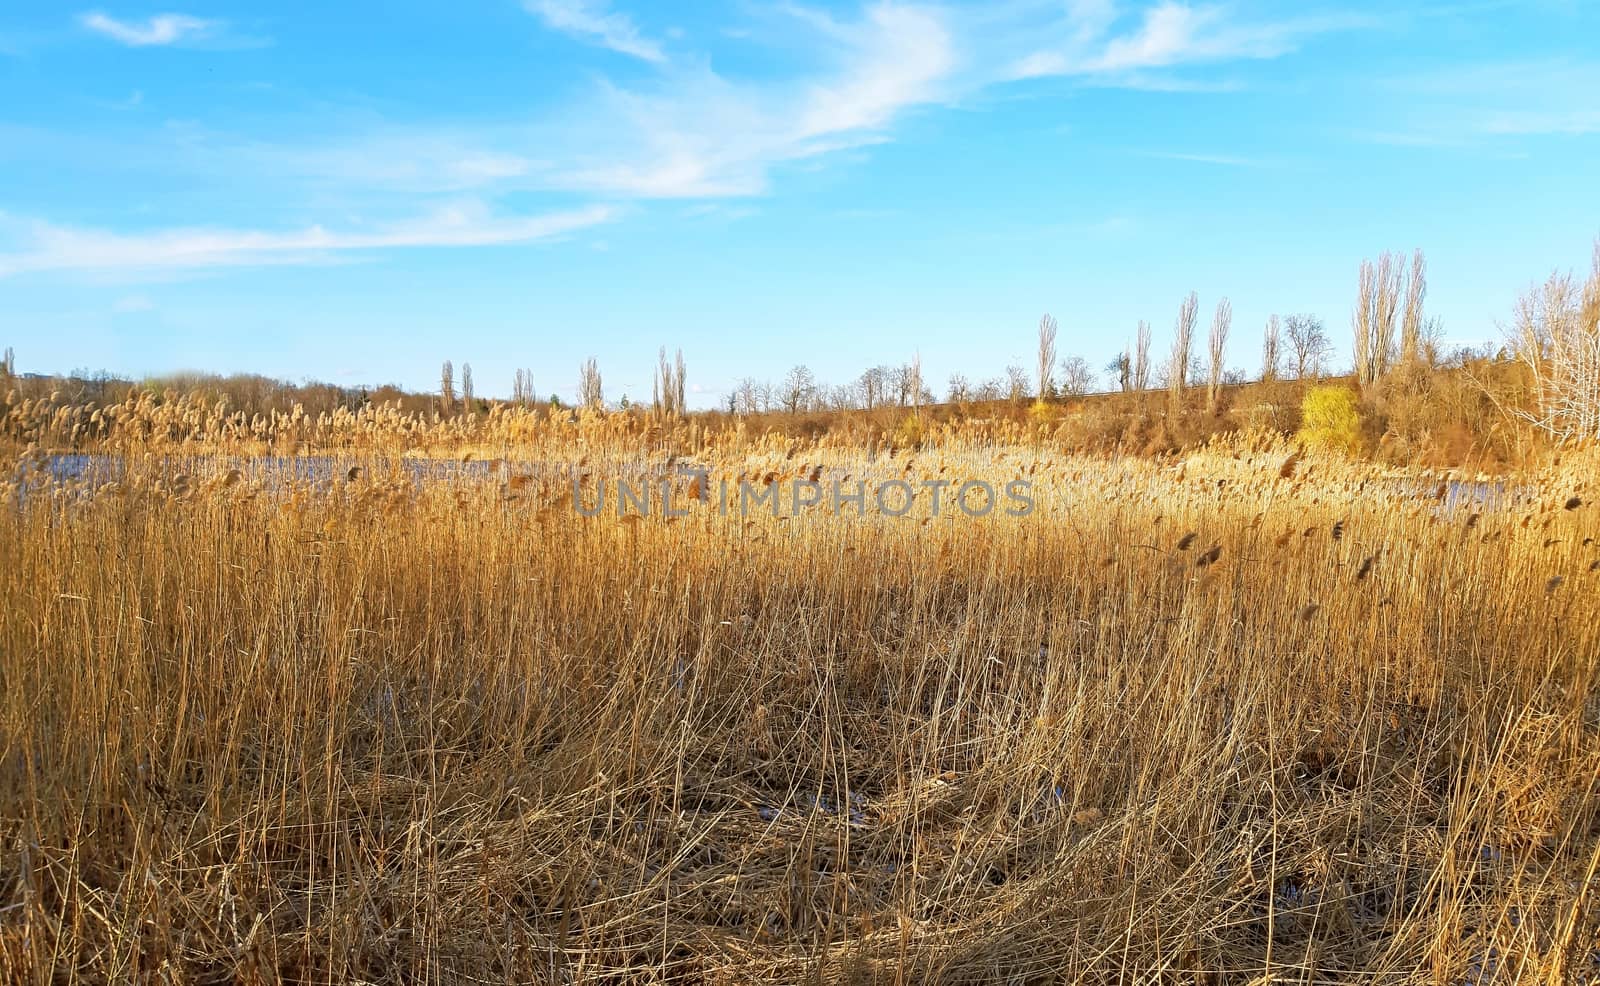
1396 348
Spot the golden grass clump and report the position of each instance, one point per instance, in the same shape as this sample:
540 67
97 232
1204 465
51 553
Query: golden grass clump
375 719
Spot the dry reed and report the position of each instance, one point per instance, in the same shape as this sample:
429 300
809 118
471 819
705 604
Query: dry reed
271 730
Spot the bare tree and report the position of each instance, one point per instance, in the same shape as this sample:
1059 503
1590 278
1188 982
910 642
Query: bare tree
1271 359
1308 344
1216 348
447 388
590 390
1118 368
522 387
1391 277
1372 325
873 383
668 387
1557 337
797 389
1077 378
902 384
1412 325
1361 320
1047 355
8 364
1141 358
960 391
1182 342
466 388
746 399
678 380
661 403
916 382
1016 383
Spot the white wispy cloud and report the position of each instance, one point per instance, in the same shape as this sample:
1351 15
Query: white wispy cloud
48 247
699 134
696 133
397 160
1568 122
161 29
1168 35
1162 82
896 57
1479 102
1404 138
1224 160
593 20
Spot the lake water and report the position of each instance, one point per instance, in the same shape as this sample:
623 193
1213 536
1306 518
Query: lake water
96 469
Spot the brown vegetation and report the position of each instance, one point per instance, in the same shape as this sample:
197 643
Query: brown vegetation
1252 713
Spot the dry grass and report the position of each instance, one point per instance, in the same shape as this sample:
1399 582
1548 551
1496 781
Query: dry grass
365 730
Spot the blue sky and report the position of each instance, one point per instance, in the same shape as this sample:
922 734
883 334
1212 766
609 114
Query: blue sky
358 191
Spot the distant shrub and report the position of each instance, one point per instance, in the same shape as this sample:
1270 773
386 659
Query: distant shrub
1329 418
1271 406
909 432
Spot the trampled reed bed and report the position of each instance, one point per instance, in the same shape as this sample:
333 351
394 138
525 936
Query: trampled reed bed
362 728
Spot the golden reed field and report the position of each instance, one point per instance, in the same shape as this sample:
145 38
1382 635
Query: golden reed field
1243 716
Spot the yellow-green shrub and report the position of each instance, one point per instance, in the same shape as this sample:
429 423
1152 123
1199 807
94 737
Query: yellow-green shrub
909 432
1329 418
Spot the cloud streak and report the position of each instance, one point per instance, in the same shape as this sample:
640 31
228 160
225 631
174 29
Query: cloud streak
1169 35
703 135
592 20
1481 102
48 247
162 29
1222 160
